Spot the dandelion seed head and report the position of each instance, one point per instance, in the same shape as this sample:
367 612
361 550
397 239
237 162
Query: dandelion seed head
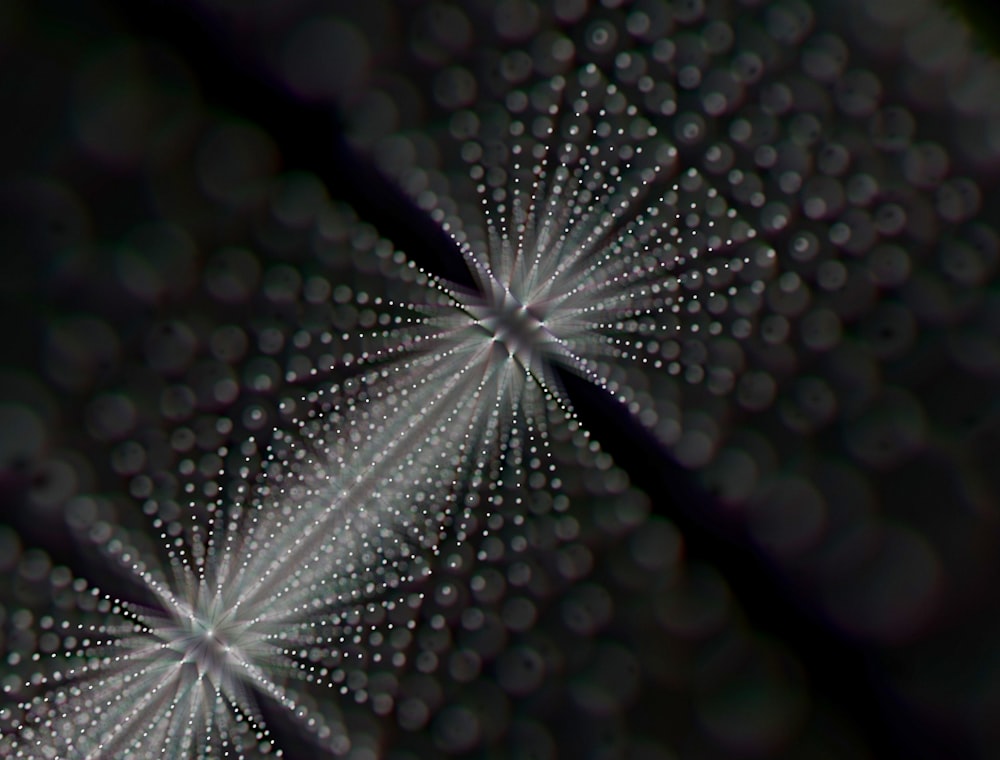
595 253
789 115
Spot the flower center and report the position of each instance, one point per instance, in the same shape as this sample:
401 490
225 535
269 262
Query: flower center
516 328
209 642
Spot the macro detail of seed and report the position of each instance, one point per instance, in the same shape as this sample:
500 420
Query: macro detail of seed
528 378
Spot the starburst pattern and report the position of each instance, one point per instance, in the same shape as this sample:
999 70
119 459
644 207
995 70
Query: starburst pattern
593 253
835 137
831 183
300 578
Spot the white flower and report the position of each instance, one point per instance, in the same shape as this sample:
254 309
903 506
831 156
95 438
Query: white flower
592 253
304 576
